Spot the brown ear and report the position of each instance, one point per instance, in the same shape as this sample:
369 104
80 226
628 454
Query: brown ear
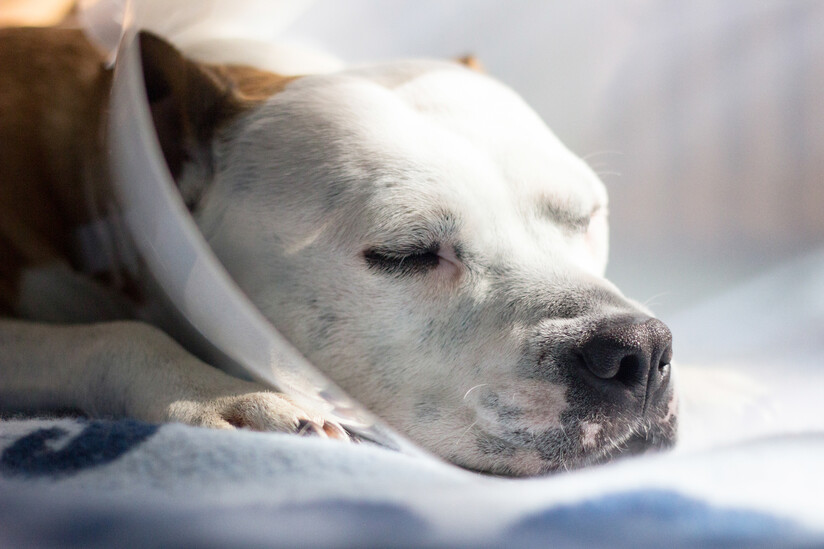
471 62
188 101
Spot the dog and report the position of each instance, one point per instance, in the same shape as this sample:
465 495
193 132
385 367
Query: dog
412 227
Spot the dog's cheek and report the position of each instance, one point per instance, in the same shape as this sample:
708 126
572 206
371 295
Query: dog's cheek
322 323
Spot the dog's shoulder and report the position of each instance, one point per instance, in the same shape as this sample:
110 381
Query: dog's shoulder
54 86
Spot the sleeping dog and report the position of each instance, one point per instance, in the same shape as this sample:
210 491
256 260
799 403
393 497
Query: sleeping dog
413 228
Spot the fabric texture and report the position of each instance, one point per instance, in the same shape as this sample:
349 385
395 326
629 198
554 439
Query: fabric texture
80 483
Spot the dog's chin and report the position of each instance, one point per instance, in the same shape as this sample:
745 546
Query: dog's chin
639 441
616 443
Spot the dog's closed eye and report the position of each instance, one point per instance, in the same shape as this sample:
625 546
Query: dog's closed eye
575 222
405 261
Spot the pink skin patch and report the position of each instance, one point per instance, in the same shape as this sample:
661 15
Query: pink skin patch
589 434
451 265
672 409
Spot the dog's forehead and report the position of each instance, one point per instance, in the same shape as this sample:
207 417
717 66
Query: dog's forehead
442 117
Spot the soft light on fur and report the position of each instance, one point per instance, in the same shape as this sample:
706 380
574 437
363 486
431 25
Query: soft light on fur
418 233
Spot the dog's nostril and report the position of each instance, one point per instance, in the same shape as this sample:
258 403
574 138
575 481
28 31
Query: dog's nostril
632 352
608 361
629 370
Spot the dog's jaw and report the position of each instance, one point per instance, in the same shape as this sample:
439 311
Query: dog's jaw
419 234
514 444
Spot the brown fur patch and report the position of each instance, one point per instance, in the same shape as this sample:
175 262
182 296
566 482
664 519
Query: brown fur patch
52 162
472 62
53 84
190 101
253 85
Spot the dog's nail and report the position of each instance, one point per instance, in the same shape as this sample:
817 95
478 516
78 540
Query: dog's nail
310 428
333 430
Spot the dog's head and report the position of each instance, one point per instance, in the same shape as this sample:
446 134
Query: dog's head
418 232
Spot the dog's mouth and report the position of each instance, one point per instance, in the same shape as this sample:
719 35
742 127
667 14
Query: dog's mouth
644 438
577 442
530 460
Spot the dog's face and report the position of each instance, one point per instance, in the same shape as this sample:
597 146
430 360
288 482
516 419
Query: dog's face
423 238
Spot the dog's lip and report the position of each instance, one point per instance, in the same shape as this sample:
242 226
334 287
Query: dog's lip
631 439
635 441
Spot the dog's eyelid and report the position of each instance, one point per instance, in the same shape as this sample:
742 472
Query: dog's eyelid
404 260
414 229
401 265
400 249
576 220
566 215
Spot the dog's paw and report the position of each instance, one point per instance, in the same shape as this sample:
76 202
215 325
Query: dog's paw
260 411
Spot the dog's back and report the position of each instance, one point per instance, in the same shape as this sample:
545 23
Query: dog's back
53 86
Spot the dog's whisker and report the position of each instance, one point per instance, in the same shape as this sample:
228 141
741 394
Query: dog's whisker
464 433
650 301
590 156
473 388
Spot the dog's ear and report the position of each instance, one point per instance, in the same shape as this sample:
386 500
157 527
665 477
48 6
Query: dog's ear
471 62
188 100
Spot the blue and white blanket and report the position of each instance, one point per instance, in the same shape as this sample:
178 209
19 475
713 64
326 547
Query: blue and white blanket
77 483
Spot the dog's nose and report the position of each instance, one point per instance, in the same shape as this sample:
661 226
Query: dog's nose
630 354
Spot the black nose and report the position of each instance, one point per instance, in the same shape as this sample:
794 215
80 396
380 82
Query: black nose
629 354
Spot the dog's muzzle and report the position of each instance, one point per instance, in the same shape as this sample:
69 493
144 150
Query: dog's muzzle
615 373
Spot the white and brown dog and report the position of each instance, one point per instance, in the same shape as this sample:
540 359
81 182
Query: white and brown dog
413 228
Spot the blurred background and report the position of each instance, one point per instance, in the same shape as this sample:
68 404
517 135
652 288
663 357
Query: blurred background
704 118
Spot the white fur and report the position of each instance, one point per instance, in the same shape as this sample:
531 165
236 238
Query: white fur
306 194
396 146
